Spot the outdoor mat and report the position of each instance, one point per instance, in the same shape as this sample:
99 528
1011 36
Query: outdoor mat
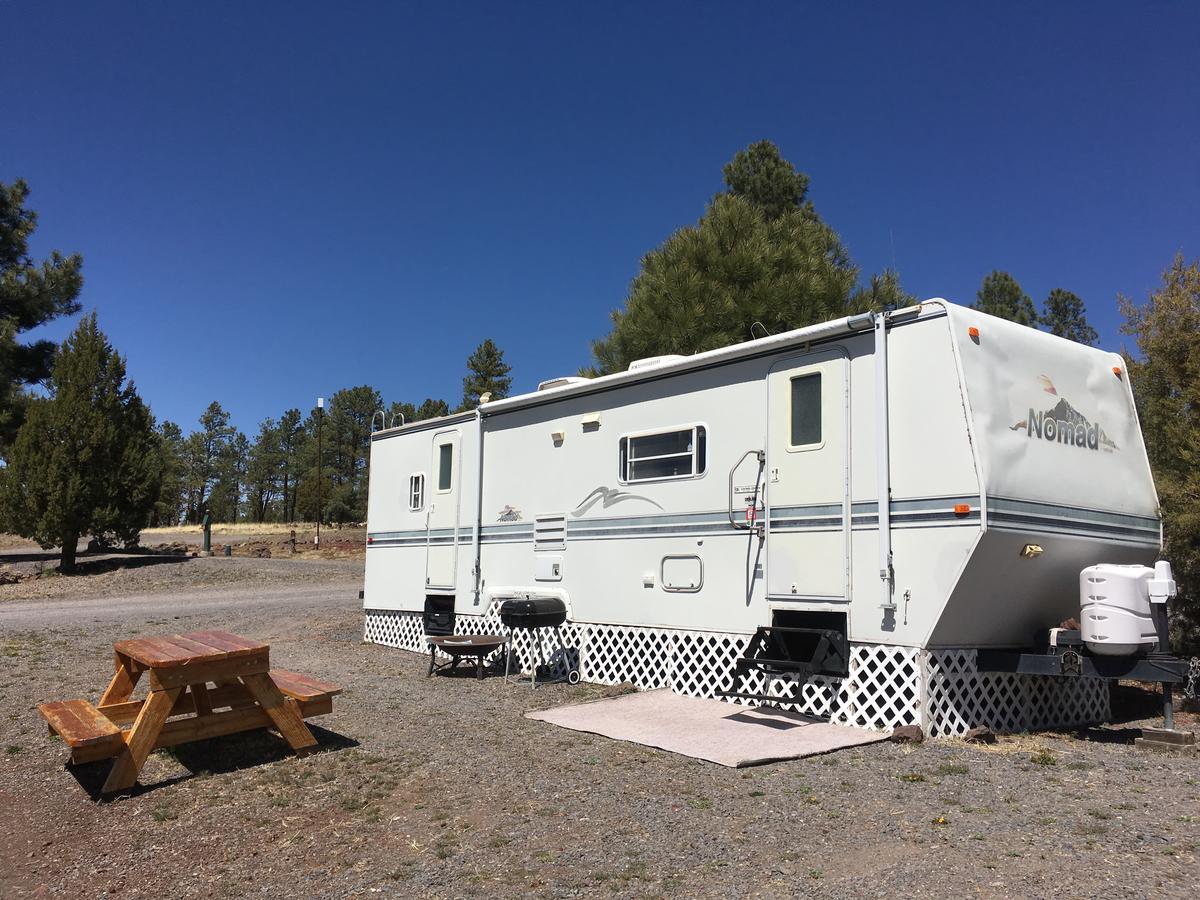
706 729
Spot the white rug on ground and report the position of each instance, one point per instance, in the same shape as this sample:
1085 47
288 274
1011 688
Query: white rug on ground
706 729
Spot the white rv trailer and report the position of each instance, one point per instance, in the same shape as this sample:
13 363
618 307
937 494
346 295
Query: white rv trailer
679 506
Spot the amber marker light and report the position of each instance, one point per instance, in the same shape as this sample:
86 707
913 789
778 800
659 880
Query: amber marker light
961 509
973 334
1117 371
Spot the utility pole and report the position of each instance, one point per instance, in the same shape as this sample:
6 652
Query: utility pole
320 419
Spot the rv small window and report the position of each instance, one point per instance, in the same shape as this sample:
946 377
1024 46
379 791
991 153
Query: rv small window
445 466
806 410
416 492
669 454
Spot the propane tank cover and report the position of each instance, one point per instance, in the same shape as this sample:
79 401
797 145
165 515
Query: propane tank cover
1162 585
1115 613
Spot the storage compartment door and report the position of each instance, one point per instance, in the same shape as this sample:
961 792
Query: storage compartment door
441 523
808 491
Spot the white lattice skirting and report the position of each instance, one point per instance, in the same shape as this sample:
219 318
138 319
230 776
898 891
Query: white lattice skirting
888 686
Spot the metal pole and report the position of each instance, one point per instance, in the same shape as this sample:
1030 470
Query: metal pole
883 478
320 420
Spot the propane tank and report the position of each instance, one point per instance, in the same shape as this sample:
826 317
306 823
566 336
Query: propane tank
1116 618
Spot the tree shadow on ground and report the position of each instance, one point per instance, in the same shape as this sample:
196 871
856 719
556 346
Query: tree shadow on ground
1131 702
1102 734
1134 702
100 564
134 561
214 756
13 557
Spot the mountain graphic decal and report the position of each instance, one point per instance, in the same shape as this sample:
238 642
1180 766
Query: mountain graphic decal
1064 424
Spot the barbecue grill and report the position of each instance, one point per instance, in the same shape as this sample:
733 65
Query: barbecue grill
532 614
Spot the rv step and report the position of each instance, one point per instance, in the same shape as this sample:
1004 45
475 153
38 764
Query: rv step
773 665
757 698
772 651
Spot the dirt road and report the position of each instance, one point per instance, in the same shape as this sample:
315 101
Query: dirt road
438 787
217 602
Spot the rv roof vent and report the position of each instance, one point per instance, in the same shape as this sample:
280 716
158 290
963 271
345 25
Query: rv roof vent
651 361
561 382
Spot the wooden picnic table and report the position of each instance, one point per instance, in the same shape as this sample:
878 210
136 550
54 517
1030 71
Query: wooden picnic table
179 669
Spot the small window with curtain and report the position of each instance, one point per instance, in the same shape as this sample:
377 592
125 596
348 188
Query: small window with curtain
445 466
806 410
667 454
416 492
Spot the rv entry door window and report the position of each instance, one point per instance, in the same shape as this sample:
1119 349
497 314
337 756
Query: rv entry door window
664 454
445 467
806 410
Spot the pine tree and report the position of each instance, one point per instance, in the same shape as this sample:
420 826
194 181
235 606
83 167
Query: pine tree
401 414
760 254
761 175
225 501
1166 384
30 295
205 458
264 472
884 292
1000 295
347 445
291 449
169 508
432 409
708 285
85 462
1063 314
487 373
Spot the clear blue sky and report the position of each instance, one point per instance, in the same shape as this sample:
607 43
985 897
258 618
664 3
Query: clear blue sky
276 200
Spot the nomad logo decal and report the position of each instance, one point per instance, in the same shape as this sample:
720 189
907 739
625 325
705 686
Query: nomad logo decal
509 514
1063 424
610 497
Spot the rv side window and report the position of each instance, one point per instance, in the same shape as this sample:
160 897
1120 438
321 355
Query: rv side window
416 492
445 466
668 454
806 410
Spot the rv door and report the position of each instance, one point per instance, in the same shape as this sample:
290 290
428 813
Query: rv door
808 490
441 522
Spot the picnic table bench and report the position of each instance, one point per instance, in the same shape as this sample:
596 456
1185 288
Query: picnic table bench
202 684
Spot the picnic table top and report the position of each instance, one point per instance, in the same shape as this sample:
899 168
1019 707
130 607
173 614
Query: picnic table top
173 650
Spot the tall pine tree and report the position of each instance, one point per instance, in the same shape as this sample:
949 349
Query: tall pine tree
1166 385
31 294
432 409
206 453
760 253
1063 314
1000 295
86 460
487 373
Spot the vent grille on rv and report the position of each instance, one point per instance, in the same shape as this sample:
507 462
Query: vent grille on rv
561 382
550 533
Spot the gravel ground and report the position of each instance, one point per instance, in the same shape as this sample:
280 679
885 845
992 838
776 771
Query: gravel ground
439 787
168 580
